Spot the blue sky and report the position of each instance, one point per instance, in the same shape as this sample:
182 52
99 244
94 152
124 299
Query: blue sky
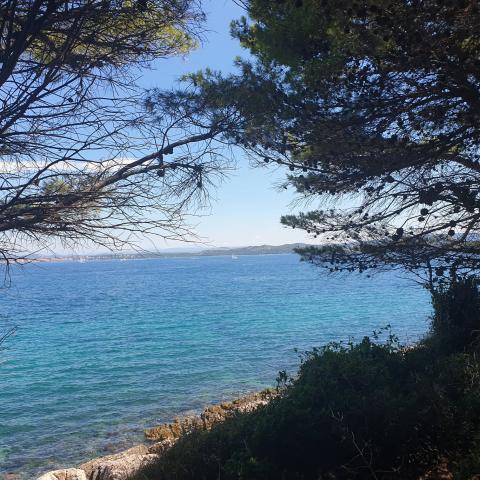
247 208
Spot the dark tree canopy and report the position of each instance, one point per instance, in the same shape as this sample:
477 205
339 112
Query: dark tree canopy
85 154
374 106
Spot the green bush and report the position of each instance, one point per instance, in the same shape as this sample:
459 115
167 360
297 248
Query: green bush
372 410
456 320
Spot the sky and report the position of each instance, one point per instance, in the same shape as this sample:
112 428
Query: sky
247 208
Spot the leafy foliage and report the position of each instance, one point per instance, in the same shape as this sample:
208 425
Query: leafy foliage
456 322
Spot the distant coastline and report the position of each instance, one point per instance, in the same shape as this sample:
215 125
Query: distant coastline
214 252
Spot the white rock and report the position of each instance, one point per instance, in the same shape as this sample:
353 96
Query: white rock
119 466
65 474
123 468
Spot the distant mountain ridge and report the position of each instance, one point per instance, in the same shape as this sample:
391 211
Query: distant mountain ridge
255 250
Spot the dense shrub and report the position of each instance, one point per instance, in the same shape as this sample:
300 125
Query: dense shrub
370 410
456 319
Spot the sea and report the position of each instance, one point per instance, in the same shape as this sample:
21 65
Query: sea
104 349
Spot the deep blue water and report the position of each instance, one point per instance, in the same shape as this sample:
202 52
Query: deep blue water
105 349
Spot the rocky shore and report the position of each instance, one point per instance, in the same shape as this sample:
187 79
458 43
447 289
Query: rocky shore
160 438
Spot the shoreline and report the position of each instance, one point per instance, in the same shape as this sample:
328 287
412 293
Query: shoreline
251 250
158 439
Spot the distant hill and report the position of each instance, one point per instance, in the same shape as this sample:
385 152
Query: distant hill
254 250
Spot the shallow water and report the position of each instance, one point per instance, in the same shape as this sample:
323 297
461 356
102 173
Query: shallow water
105 349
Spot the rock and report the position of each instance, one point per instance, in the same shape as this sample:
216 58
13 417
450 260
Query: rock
211 415
161 447
214 414
65 474
174 430
122 468
119 466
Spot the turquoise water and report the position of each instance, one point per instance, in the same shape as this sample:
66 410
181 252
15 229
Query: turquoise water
105 349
